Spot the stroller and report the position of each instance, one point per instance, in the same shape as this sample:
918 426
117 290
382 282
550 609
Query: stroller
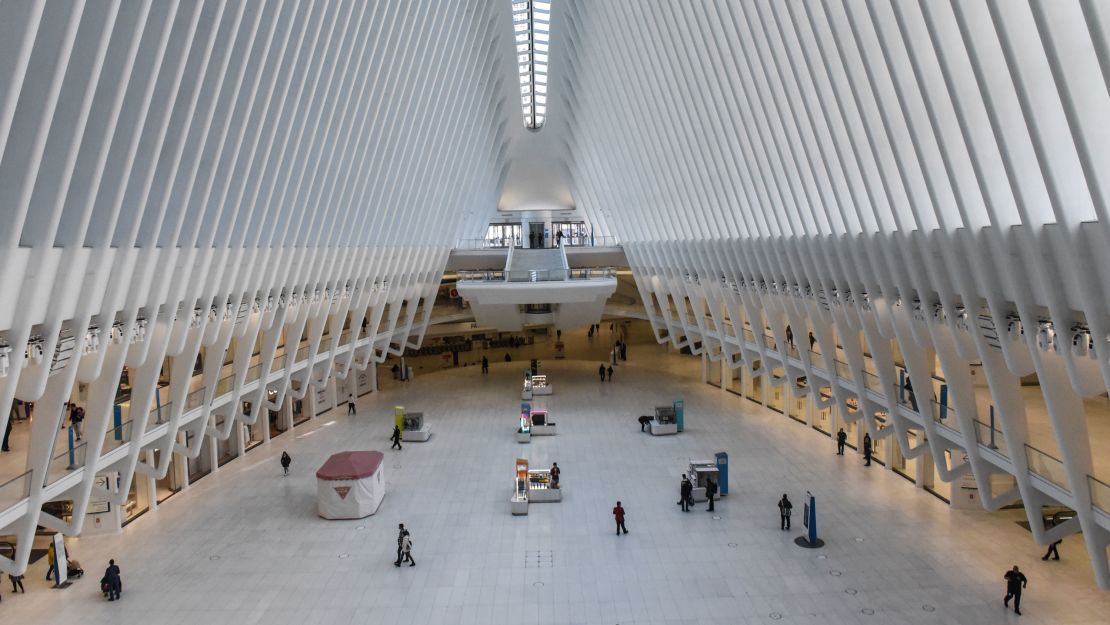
74 570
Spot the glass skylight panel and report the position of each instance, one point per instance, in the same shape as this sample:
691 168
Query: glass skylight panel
532 33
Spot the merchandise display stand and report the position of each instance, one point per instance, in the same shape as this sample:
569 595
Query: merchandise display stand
413 428
524 429
518 503
700 472
541 423
540 489
535 385
664 422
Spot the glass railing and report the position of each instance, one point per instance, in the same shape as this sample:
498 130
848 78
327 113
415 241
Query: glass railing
225 384
843 370
991 438
15 490
769 342
1100 493
536 275
749 336
194 399
61 464
481 276
1044 465
872 382
254 373
117 436
302 354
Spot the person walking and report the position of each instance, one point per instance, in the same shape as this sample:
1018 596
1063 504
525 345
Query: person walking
400 543
396 438
286 460
812 342
51 560
350 403
112 580
624 350
784 512
555 472
610 372
485 364
601 372
710 492
559 238
1015 583
17 583
406 549
841 440
7 434
1052 551
686 491
618 516
76 419
909 393
867 449
790 336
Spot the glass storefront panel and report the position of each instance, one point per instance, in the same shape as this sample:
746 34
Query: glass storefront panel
713 372
755 392
226 449
822 421
796 408
200 466
776 392
932 481
906 469
737 385
879 444
171 483
138 498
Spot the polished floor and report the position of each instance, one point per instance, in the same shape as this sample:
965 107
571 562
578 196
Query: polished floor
245 546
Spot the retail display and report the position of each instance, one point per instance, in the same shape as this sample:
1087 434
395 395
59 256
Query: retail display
524 430
532 486
664 422
700 472
541 423
413 428
518 503
350 485
535 385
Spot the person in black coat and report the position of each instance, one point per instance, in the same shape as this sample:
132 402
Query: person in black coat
686 492
286 460
841 440
601 372
112 580
610 372
867 449
485 364
784 512
1015 583
400 543
710 492
396 438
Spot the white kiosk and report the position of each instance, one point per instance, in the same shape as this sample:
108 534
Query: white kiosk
700 472
535 385
665 421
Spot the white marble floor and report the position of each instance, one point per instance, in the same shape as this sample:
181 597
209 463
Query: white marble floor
245 546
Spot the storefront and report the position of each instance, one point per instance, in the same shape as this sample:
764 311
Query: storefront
901 466
201 465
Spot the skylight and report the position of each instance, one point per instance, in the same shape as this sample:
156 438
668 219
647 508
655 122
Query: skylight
532 32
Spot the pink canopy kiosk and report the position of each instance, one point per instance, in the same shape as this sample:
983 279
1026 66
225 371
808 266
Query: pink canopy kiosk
350 485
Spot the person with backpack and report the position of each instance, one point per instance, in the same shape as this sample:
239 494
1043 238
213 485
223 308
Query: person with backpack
784 512
286 460
406 549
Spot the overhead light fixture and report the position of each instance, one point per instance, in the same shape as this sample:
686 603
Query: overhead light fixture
532 35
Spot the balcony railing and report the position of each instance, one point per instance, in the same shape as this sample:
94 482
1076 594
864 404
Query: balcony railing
991 438
15 490
1100 493
1046 466
537 275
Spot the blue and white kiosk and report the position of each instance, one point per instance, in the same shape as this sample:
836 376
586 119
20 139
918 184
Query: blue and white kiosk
809 520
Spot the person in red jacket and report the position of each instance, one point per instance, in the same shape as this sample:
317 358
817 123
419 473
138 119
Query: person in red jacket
618 514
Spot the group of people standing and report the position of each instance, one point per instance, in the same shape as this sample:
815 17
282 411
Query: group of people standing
602 371
686 493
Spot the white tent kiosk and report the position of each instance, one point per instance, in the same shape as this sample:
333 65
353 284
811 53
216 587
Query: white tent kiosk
350 485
